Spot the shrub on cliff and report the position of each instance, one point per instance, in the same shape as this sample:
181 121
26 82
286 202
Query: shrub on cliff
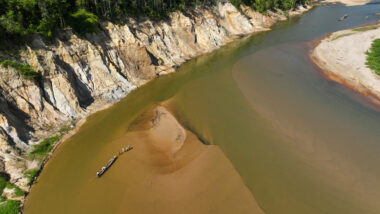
4 178
373 56
30 175
44 146
3 184
17 191
84 22
25 70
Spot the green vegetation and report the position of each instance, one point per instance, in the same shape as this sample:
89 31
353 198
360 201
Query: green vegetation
19 18
3 183
373 56
2 198
17 190
30 175
10 207
66 128
44 146
25 70
84 22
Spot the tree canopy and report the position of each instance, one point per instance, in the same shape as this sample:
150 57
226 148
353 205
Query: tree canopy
19 18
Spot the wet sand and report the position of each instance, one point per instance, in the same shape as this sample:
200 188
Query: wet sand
171 171
348 2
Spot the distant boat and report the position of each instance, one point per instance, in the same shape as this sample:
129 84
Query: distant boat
128 148
104 168
343 17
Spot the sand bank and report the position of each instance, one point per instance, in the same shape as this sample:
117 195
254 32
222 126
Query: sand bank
348 2
342 58
171 171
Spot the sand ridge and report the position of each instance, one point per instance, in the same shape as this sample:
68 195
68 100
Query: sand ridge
342 58
348 2
173 172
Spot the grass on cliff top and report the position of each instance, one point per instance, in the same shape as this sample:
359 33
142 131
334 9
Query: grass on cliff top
44 146
373 56
10 207
25 70
30 175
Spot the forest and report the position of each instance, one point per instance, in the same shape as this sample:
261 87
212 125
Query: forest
19 18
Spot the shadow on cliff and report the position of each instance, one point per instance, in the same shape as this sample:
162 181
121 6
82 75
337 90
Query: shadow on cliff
16 118
80 89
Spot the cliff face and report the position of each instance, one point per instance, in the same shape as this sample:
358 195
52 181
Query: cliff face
82 74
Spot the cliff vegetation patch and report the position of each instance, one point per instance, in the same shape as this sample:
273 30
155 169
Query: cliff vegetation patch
17 191
3 183
30 175
84 22
10 207
44 146
25 70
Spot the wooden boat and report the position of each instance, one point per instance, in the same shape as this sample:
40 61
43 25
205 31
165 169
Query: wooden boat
104 168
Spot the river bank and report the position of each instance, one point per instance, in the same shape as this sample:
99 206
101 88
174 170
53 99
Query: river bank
341 56
326 162
348 2
81 75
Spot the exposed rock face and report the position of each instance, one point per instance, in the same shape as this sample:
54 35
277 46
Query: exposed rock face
80 75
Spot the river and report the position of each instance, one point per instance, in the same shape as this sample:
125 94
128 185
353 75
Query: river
301 143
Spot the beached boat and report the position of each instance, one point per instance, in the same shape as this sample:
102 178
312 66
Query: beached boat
104 168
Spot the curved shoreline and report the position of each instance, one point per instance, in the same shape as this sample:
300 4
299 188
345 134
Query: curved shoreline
365 93
348 2
341 69
82 121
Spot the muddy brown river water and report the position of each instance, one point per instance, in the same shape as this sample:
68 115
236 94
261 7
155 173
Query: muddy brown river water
301 143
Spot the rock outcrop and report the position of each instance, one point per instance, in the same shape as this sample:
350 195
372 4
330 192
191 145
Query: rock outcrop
82 74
